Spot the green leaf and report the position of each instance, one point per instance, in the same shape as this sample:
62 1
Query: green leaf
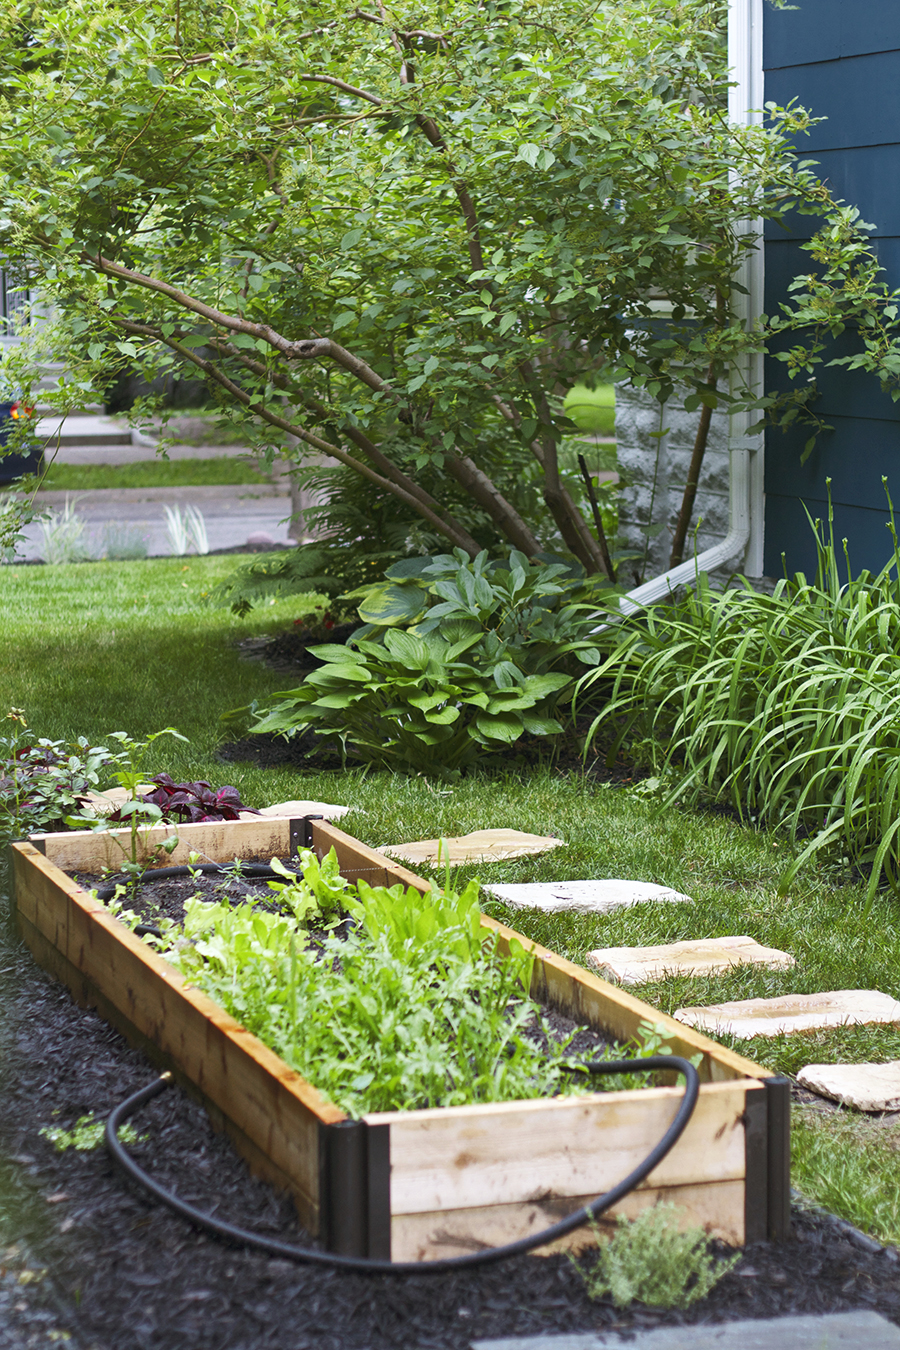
505 727
528 153
351 239
393 604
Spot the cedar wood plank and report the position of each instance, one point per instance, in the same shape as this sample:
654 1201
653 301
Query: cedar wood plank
717 1207
271 1104
505 1152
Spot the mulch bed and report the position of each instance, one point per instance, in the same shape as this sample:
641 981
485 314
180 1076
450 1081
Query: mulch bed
122 1270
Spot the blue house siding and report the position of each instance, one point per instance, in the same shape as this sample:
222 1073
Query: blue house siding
842 61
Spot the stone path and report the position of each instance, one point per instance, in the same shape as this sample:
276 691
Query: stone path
793 1013
834 1331
584 897
709 956
868 1087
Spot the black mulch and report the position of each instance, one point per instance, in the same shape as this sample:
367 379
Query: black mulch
123 1271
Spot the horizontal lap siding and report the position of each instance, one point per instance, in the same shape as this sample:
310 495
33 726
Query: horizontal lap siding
842 62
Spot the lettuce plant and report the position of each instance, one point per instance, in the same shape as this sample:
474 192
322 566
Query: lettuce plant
414 1007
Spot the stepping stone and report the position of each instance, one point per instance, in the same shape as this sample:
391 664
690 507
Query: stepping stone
634 965
810 1331
793 1012
584 897
293 810
111 800
480 846
868 1087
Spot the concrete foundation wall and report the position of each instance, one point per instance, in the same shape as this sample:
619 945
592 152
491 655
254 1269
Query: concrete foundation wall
655 471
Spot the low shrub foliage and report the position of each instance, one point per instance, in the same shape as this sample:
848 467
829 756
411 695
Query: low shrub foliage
455 659
43 781
647 1260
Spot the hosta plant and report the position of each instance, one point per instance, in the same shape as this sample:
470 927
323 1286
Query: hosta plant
456 660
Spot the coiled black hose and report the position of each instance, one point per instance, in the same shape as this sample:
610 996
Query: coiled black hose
249 870
161 873
244 1238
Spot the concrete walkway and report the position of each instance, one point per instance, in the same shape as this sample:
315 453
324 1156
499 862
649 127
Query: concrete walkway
115 518
832 1331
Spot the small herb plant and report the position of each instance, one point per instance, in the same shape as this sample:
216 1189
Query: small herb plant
456 659
85 1136
647 1260
135 811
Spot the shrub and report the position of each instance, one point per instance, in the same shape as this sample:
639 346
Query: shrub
456 658
42 782
785 706
649 1261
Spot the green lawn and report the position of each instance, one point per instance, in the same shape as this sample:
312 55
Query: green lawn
100 647
593 410
224 471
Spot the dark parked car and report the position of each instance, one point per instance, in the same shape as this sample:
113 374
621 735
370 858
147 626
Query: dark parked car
13 466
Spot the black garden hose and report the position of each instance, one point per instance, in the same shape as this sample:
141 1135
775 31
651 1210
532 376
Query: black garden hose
250 870
242 1237
161 873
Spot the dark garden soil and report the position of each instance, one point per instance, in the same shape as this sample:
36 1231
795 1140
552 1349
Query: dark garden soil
119 1271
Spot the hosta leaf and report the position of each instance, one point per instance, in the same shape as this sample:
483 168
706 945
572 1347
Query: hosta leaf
412 651
391 604
507 676
506 727
541 726
333 651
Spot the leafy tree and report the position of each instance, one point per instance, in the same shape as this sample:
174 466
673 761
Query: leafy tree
398 234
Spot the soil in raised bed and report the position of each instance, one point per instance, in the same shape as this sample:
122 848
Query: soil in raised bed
122 1271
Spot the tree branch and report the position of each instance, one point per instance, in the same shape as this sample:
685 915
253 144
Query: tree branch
458 538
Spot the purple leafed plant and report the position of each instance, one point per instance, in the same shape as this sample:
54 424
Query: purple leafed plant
193 802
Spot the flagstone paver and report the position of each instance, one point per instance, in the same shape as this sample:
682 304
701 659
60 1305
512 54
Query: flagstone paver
479 846
584 897
830 1331
868 1087
793 1013
708 956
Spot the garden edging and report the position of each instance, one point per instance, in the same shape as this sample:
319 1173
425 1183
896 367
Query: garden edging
412 1185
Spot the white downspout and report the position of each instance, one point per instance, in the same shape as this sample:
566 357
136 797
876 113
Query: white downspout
744 540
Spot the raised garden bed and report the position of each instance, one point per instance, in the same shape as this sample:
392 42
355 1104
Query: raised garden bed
413 1185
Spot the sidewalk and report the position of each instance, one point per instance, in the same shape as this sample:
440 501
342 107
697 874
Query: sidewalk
232 514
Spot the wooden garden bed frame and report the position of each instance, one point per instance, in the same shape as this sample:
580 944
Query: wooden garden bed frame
411 1185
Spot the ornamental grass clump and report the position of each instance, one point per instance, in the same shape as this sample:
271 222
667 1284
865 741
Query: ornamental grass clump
787 707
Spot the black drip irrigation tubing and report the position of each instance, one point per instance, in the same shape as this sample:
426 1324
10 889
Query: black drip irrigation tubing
248 870
243 1237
